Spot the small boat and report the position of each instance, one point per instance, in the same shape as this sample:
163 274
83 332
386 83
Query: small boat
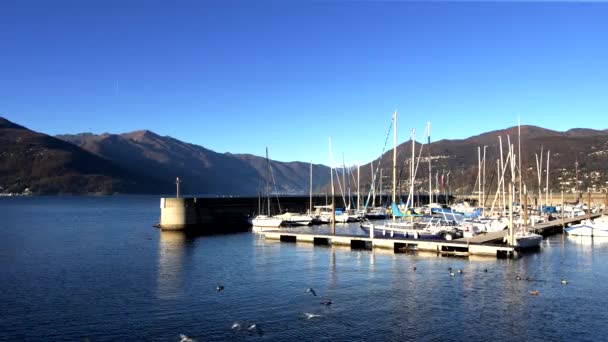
588 228
423 228
400 230
295 219
527 240
377 213
261 222
264 223
323 213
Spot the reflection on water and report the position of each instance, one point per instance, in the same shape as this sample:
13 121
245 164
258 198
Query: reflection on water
152 285
588 241
171 252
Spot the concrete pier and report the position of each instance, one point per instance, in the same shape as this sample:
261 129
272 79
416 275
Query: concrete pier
177 213
210 215
205 215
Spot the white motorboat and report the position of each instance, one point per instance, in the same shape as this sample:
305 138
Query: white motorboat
295 219
589 228
264 223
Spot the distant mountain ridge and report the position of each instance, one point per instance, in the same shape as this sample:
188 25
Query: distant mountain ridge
201 170
145 162
47 165
587 147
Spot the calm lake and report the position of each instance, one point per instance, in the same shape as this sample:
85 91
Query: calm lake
95 267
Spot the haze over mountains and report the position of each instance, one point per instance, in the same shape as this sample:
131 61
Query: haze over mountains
144 162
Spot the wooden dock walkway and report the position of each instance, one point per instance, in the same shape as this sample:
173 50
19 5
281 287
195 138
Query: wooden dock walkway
397 245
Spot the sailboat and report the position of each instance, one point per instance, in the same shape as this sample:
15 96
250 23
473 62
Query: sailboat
523 238
262 223
406 227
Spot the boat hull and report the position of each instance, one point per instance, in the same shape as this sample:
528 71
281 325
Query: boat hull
392 233
586 230
262 224
528 241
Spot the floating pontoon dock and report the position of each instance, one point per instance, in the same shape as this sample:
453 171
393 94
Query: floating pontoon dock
483 244
397 245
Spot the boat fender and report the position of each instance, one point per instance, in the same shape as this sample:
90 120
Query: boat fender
416 236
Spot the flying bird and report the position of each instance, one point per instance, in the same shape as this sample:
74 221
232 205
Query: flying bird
311 290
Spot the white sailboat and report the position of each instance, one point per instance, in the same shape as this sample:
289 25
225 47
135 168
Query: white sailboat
263 223
523 238
403 225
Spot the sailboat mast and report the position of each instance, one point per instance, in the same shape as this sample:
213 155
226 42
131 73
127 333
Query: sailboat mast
479 175
519 156
504 201
428 135
483 186
344 180
333 194
380 189
412 173
412 176
394 159
267 181
358 187
310 190
547 189
374 185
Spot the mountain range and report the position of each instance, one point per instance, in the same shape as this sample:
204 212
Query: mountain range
578 160
139 162
145 162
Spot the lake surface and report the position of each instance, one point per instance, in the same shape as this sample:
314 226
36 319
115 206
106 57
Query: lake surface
78 267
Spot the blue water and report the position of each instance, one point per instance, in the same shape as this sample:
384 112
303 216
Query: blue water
78 267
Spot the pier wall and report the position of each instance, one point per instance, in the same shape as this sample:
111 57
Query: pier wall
226 214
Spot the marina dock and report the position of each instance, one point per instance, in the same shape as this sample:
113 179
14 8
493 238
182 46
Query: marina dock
463 248
488 244
544 229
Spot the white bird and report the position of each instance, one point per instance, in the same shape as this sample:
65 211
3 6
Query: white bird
311 315
253 328
235 326
185 338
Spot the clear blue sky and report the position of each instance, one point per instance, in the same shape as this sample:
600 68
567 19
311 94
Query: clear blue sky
239 76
